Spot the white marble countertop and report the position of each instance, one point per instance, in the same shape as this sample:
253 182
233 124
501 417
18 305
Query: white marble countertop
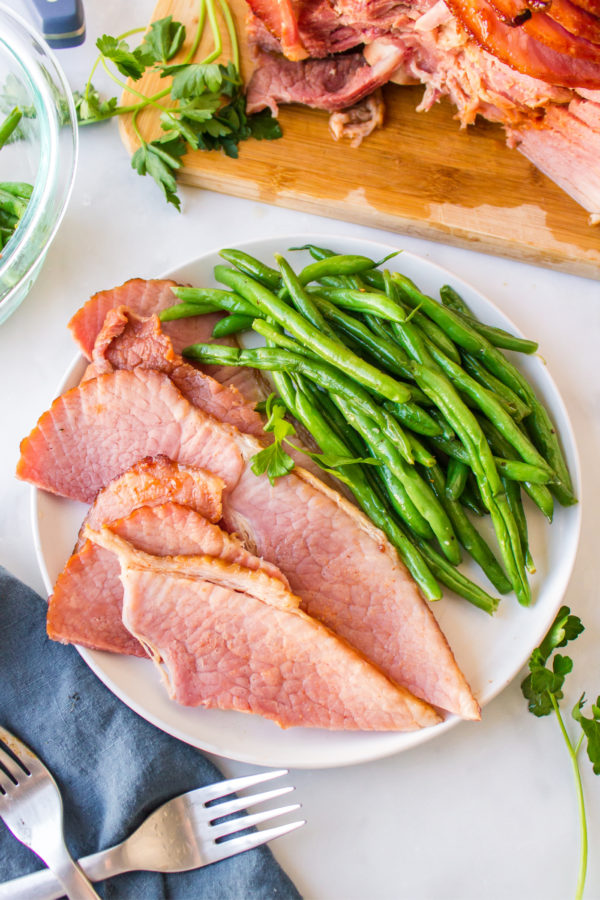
486 810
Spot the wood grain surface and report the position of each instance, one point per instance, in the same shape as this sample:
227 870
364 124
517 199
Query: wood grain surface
419 175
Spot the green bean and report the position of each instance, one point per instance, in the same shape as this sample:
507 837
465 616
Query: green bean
413 417
9 124
253 267
467 534
456 478
363 302
471 499
513 498
403 505
493 409
227 300
517 470
538 422
539 493
420 453
385 351
455 580
187 310
17 188
484 467
461 419
232 324
417 489
429 328
496 336
301 300
452 298
513 402
332 351
344 264
8 220
12 204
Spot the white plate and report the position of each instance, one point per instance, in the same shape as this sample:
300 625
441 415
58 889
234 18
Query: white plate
489 650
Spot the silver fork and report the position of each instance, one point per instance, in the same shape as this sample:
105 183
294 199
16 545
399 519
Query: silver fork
31 807
184 833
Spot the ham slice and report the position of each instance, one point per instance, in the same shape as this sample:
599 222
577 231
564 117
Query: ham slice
127 341
99 429
152 481
234 638
86 604
341 566
146 297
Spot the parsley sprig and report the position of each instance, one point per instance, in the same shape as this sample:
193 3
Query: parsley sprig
201 107
274 461
543 688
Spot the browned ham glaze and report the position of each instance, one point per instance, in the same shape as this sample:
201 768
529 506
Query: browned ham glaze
510 61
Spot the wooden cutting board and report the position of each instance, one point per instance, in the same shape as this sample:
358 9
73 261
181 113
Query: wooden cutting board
419 175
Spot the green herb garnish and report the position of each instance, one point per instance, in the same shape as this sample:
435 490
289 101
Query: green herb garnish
543 689
202 107
274 461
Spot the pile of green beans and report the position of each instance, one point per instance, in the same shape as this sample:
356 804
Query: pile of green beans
372 367
14 195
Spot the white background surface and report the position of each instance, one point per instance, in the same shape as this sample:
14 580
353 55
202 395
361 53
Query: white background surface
485 811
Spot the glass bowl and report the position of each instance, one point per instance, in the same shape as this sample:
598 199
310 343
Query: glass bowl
43 152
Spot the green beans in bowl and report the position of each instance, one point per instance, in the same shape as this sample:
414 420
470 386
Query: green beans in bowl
38 156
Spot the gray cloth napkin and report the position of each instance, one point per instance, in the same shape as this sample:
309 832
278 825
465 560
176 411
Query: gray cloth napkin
113 767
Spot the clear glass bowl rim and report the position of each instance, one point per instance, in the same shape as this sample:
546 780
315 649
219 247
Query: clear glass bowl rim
36 231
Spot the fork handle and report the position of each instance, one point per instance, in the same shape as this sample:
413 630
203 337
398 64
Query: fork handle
44 885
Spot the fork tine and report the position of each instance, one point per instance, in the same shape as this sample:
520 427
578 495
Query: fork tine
28 760
233 806
250 841
15 771
243 822
223 788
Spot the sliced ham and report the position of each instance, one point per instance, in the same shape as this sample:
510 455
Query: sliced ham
145 297
342 567
127 341
152 481
86 604
148 297
99 429
231 638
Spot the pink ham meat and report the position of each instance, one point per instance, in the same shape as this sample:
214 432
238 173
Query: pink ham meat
86 604
232 638
145 297
127 340
99 429
332 555
152 481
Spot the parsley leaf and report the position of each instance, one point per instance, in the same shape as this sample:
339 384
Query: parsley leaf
130 63
543 689
591 729
90 108
160 159
164 39
193 79
273 460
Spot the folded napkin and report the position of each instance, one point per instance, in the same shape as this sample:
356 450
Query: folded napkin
113 767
